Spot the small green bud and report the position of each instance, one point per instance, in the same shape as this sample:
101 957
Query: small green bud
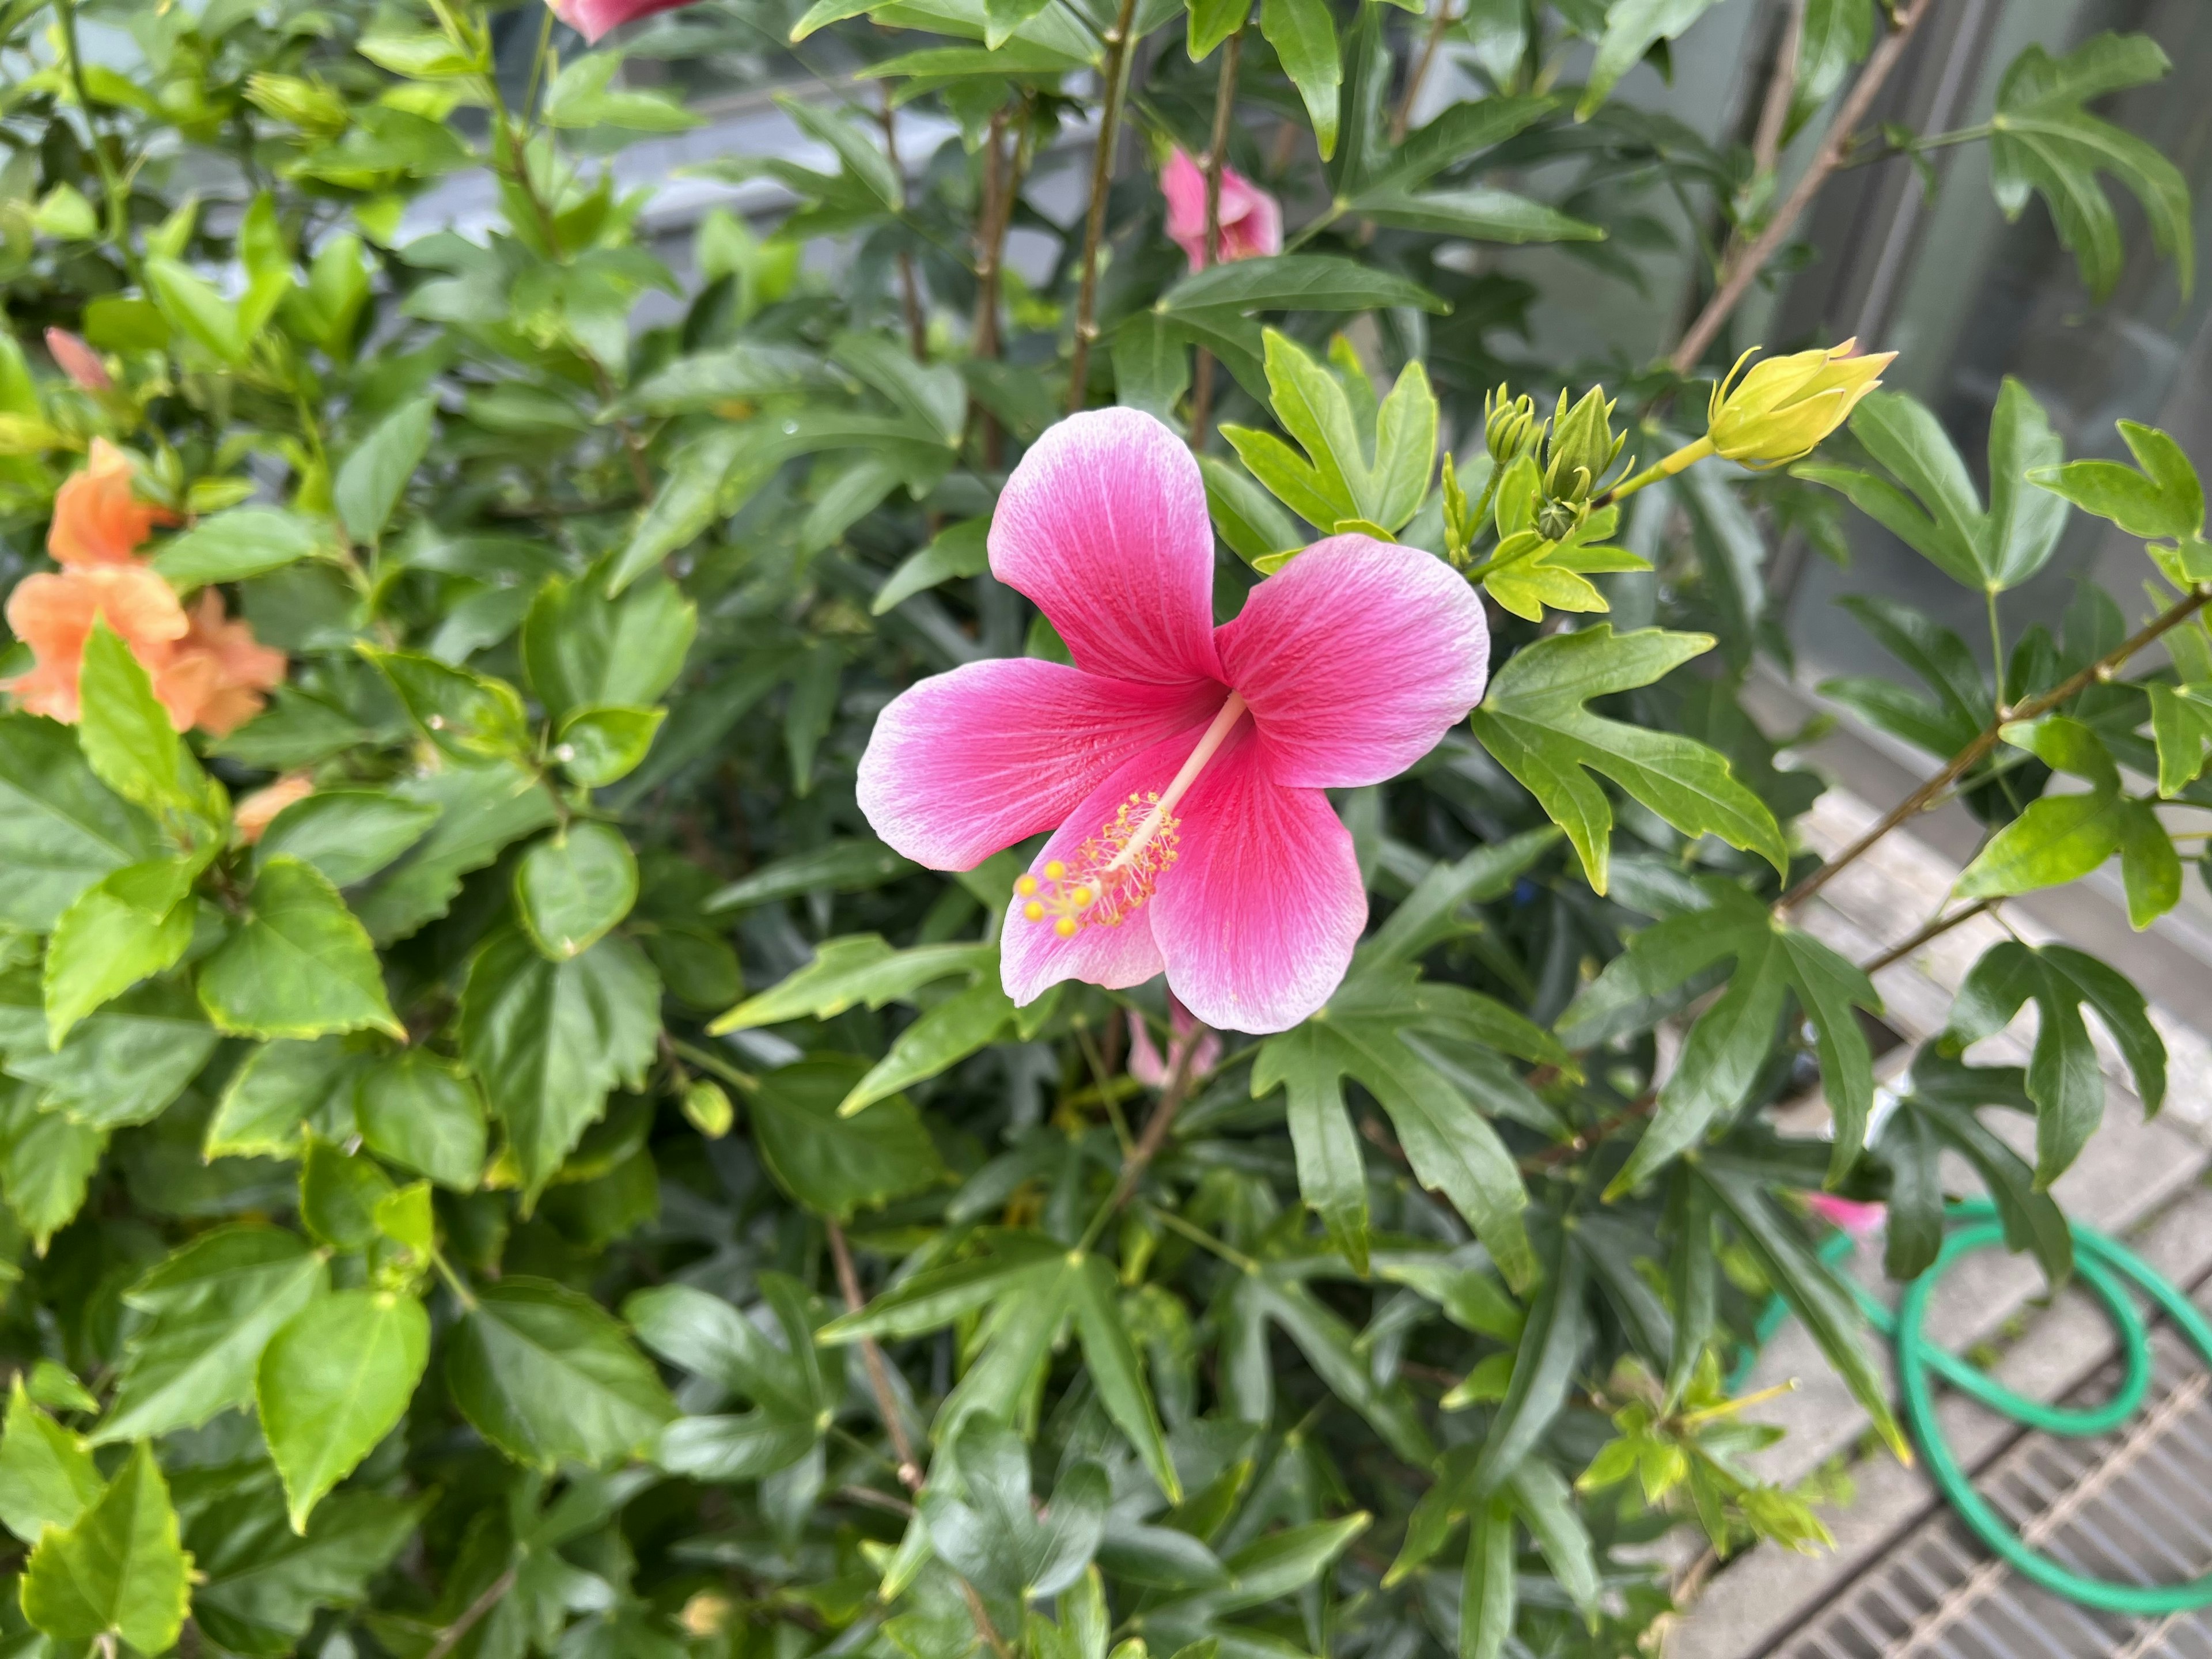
1509 427
1582 448
1556 521
708 1107
1784 408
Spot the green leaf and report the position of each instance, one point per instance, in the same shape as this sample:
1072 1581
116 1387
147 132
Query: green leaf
573 887
2063 1077
835 867
1633 27
347 834
862 156
582 648
1480 213
942 1037
126 1063
279 1087
197 310
1303 35
835 1164
850 971
547 1376
333 1383
46 1475
549 1039
1809 1287
108 940
2181 724
425 1114
373 478
1942 516
2164 499
119 1570
472 717
246 541
1551 1342
2041 140
1488 1593
481 809
604 743
299 965
1213 21
1534 723
1361 1034
958 549
126 735
61 830
1245 514
1111 1361
338 1195
45 1163
1294 281
581 96
1327 1343
258 1585
211 1308
1151 364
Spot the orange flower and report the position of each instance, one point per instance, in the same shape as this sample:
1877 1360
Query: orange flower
217 675
254 813
53 614
96 521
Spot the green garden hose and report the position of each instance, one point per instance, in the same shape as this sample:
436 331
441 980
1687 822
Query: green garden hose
2106 1267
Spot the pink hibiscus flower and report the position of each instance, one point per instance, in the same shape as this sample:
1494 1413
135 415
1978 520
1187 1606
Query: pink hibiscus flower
593 18
1251 220
1151 1068
1182 763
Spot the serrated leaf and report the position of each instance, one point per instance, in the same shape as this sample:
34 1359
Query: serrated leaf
549 1376
332 1382
300 964
47 1478
119 1570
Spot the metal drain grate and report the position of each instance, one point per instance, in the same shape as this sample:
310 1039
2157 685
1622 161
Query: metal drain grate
2134 1506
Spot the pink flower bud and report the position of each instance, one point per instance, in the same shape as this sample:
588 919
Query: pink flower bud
1251 225
79 360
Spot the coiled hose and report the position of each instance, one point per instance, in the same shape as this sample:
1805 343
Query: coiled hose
2106 1267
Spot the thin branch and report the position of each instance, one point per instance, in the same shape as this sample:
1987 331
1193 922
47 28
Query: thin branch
990 251
1964 761
1596 1135
1216 158
1740 272
1780 84
887 1407
1177 1090
1437 29
450 1637
917 330
1116 74
1934 930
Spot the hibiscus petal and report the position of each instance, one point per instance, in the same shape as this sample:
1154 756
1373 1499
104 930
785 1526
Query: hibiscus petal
1103 524
1259 913
1032 957
967 763
1357 657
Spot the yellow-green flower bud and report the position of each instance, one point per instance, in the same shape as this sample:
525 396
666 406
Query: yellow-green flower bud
1582 448
1509 427
1779 411
708 1107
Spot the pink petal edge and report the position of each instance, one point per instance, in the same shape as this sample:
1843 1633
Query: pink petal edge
1258 916
1103 524
969 761
1357 657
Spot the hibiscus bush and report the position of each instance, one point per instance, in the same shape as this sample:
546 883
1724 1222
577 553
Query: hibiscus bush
990 887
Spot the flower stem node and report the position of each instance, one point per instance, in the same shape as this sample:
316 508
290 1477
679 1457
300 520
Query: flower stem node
1783 408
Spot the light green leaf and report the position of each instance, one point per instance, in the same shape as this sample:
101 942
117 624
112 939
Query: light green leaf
549 1039
1303 35
369 484
426 1114
1633 27
848 972
299 965
107 941
246 541
333 1383
582 648
126 735
46 1475
347 834
945 1035
279 1087
573 886
120 1571
212 1308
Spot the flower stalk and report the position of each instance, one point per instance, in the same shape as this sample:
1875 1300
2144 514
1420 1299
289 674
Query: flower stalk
1116 77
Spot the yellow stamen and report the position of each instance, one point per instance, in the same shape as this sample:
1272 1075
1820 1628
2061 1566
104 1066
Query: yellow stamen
1109 875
